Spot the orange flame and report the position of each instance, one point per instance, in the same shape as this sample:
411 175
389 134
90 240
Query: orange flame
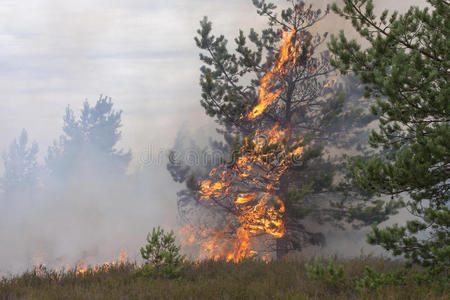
81 267
288 53
330 83
259 212
213 189
244 198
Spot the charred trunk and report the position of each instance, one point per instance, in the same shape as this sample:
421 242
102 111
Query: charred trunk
282 244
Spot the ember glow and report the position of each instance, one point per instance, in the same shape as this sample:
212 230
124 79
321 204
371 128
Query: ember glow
252 180
330 83
81 267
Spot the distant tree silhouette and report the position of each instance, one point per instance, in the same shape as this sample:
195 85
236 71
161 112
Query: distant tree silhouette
21 167
88 143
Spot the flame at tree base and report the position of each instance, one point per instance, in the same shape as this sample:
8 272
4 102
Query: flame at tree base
256 213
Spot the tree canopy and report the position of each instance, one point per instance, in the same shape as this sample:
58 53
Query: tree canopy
21 167
279 83
89 140
406 69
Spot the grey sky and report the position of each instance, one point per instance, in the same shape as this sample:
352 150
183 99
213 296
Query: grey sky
139 52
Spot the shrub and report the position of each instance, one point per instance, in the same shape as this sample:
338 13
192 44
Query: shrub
318 271
374 281
161 255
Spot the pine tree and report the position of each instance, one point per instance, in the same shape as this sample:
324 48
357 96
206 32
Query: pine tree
21 167
310 105
406 68
88 143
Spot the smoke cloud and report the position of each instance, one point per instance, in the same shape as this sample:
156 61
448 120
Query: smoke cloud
142 54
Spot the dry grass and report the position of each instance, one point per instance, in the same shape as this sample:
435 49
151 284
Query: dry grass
282 279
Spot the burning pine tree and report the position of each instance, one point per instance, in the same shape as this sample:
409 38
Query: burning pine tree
278 110
248 187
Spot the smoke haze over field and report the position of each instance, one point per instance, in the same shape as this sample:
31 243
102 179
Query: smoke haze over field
142 54
134 51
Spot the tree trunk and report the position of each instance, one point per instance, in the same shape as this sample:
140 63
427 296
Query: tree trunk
282 244
282 247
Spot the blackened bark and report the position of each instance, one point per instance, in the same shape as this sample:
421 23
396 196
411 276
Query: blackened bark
282 246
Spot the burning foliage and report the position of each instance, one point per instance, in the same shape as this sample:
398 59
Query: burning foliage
286 61
247 187
288 129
